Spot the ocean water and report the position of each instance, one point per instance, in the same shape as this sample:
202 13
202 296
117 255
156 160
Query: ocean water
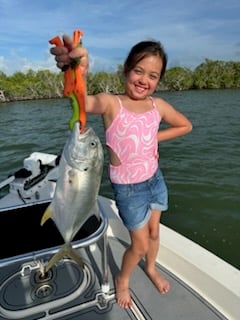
202 169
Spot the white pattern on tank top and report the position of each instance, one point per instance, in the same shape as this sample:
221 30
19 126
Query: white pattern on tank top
133 138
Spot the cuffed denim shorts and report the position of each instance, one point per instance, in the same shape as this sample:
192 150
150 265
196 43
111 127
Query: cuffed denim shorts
135 201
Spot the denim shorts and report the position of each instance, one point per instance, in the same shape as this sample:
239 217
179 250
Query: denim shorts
135 201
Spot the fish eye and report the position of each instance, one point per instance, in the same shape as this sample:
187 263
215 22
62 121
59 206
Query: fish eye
93 144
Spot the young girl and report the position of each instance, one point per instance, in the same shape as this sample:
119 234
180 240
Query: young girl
132 134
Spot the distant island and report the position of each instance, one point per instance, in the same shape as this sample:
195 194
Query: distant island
43 84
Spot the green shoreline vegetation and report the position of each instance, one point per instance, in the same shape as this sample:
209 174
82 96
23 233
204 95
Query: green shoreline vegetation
43 84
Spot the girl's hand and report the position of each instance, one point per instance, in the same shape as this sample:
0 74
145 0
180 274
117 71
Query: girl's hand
64 55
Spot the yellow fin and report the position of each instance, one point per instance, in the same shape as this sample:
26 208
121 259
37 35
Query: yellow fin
47 214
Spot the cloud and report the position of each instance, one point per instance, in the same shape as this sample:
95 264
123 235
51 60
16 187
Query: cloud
190 32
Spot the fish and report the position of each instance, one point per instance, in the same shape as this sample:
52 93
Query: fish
77 188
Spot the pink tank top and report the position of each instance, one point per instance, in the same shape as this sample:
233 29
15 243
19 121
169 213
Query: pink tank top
133 137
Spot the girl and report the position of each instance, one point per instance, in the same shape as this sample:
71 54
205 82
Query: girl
131 122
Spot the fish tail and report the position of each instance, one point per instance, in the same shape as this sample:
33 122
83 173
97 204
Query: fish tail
66 250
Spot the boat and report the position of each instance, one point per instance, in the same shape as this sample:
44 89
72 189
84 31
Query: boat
203 286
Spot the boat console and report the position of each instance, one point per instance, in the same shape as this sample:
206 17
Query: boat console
35 181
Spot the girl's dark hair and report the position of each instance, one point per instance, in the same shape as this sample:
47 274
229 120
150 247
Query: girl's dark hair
145 49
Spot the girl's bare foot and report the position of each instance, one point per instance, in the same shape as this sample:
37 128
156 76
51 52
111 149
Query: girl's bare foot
123 297
159 281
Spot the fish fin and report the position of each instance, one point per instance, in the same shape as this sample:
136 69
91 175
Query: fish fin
57 256
47 214
73 254
65 250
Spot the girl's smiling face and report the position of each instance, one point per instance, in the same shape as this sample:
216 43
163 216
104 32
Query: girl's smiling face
142 80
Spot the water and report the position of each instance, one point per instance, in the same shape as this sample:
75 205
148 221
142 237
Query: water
202 169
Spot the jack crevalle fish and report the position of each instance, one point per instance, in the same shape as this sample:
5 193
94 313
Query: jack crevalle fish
75 197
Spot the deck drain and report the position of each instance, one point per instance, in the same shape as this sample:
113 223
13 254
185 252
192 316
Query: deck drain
44 291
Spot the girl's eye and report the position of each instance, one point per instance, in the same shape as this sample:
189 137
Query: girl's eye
153 77
137 71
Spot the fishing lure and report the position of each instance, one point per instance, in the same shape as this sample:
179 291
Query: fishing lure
74 84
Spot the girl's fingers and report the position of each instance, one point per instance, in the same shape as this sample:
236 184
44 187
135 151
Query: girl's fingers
68 43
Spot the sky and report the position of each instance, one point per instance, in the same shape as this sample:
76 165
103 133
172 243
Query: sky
190 31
